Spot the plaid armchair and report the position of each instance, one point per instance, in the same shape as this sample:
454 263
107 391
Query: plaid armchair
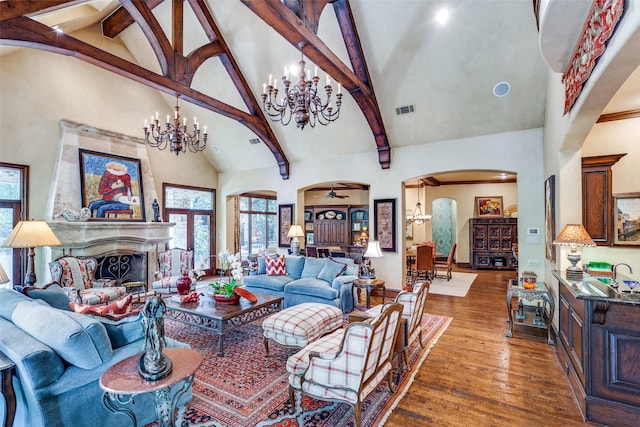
171 265
348 364
412 309
77 277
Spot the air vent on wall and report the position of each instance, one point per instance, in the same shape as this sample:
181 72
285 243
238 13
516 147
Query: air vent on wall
405 110
254 141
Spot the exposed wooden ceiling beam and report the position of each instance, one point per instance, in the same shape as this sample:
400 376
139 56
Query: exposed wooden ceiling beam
239 81
119 20
286 23
177 70
622 115
25 32
10 9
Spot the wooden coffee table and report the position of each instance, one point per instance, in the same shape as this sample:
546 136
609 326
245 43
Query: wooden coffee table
219 318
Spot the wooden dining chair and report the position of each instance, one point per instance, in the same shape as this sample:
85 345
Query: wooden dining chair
423 266
448 264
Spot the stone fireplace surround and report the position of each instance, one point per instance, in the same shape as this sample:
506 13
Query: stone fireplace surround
100 238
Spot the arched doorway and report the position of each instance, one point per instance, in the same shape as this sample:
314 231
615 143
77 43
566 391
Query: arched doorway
444 223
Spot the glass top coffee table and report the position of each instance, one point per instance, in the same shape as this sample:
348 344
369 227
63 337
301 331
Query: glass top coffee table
221 318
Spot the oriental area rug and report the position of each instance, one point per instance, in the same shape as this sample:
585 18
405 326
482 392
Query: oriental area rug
244 388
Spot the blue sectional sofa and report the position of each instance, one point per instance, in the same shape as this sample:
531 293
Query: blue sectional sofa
322 280
60 356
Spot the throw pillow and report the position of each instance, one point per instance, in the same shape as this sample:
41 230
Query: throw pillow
80 340
50 293
276 266
123 331
262 265
116 310
331 270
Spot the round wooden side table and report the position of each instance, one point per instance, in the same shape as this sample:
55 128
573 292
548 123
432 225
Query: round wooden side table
123 379
367 285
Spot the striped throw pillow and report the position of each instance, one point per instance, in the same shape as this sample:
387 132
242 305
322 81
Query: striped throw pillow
275 266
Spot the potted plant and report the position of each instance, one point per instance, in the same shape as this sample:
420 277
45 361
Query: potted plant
223 289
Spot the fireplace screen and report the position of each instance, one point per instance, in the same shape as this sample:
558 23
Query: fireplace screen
122 267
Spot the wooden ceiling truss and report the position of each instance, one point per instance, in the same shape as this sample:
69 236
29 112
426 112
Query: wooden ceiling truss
299 25
295 20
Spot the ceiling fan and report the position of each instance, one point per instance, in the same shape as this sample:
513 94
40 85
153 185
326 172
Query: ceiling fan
333 195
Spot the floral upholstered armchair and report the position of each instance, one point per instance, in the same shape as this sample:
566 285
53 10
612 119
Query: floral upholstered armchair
77 277
172 264
348 364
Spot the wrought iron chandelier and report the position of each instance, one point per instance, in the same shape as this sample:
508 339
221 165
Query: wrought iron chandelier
418 217
301 100
175 135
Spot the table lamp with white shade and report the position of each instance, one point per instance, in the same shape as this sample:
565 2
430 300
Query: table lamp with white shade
373 251
574 235
295 231
31 234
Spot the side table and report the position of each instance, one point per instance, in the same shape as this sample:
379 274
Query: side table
529 317
7 367
123 379
369 284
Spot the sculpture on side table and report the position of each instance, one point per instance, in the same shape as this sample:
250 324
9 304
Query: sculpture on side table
154 365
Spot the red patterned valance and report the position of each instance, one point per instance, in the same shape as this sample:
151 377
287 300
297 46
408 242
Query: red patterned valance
596 32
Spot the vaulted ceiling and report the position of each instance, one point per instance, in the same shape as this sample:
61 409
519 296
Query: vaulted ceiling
386 54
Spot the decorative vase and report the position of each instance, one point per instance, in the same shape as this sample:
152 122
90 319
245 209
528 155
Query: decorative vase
183 284
223 299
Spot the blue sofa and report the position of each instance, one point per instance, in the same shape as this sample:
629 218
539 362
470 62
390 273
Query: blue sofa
322 280
60 356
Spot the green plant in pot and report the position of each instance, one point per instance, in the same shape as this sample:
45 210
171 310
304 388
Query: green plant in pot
223 289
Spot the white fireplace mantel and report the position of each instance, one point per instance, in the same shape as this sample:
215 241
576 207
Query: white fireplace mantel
95 238
84 236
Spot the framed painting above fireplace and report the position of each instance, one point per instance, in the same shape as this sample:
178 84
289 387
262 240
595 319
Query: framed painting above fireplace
111 187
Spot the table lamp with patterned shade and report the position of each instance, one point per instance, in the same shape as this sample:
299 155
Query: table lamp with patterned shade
31 234
574 235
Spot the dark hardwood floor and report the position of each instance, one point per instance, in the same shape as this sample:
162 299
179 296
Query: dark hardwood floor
476 376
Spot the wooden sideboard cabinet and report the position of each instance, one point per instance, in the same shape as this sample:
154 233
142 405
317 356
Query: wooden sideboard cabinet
491 243
599 349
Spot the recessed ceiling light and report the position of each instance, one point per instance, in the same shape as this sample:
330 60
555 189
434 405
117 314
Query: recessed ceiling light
215 149
501 89
442 16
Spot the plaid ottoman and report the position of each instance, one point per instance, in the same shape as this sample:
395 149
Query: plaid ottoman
301 324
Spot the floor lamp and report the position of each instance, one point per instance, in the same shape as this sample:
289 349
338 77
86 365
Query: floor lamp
31 234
